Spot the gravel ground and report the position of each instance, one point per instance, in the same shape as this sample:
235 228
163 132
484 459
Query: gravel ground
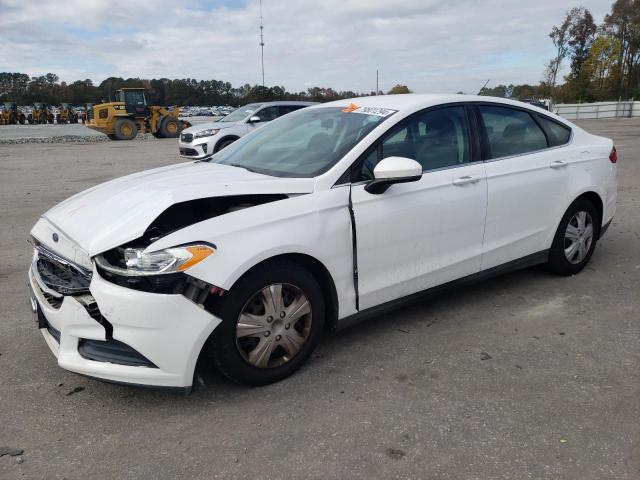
67 133
525 376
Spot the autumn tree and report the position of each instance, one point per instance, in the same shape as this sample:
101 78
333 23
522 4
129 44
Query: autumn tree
560 37
624 24
398 89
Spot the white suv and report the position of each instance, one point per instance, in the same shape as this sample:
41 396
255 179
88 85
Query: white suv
205 139
315 221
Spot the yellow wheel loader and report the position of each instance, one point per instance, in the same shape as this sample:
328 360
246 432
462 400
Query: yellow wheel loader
67 114
11 115
40 114
130 115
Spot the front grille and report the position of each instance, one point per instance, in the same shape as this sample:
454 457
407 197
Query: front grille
60 274
55 302
186 137
188 151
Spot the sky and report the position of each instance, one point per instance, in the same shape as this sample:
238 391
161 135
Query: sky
440 46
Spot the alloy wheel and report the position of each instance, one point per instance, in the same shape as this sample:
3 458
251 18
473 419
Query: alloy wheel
578 237
273 325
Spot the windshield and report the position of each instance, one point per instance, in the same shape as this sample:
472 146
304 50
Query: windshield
302 144
134 97
241 113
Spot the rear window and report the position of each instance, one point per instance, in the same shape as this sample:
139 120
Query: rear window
558 134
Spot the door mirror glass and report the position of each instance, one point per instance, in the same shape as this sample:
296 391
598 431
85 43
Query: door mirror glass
392 170
255 119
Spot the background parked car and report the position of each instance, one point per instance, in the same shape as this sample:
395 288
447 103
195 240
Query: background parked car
206 139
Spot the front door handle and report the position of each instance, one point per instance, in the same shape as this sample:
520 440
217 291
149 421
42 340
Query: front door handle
458 182
558 164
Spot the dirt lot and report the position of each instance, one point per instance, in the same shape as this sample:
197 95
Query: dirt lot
525 376
54 130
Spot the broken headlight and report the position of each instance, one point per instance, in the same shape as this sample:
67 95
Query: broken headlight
137 262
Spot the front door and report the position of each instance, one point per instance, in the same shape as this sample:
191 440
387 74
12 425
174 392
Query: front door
418 235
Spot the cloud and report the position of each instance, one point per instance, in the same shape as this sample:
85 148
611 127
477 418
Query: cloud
430 45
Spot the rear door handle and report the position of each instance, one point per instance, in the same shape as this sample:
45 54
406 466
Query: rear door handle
465 180
558 164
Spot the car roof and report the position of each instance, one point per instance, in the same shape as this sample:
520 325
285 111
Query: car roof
411 102
284 102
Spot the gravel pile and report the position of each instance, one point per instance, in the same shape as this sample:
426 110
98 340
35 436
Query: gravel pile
68 139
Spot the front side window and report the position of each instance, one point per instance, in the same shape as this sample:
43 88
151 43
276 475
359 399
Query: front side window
241 113
511 131
435 139
267 114
306 143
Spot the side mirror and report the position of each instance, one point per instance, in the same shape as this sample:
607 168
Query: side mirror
392 170
255 119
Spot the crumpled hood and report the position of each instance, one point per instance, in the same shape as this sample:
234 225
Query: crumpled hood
209 125
118 211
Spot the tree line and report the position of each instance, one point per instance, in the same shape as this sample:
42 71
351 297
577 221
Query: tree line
603 59
24 90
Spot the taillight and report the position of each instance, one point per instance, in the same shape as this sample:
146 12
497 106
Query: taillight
613 156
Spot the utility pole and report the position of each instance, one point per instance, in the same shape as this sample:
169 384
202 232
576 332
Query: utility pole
377 88
262 42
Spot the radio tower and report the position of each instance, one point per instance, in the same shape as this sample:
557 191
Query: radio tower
262 42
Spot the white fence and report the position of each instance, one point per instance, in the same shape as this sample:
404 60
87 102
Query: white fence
578 111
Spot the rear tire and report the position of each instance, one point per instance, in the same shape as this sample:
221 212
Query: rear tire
112 136
125 129
290 339
575 239
170 127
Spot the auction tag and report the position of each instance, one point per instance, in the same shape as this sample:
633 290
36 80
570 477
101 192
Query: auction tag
377 111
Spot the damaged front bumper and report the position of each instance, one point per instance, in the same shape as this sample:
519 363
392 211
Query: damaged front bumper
119 334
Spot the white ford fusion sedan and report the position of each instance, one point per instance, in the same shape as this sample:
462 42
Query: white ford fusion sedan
314 221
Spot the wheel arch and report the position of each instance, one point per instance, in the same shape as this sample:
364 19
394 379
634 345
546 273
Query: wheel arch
321 274
596 199
233 137
590 194
597 202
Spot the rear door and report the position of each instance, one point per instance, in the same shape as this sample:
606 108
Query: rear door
421 234
527 183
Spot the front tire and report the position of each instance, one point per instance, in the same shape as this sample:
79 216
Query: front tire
575 239
125 129
272 320
170 127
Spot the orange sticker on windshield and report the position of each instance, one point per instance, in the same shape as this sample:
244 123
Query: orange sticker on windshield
350 108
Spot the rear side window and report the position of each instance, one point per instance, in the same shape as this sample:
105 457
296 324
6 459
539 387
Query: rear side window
558 134
511 132
284 109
